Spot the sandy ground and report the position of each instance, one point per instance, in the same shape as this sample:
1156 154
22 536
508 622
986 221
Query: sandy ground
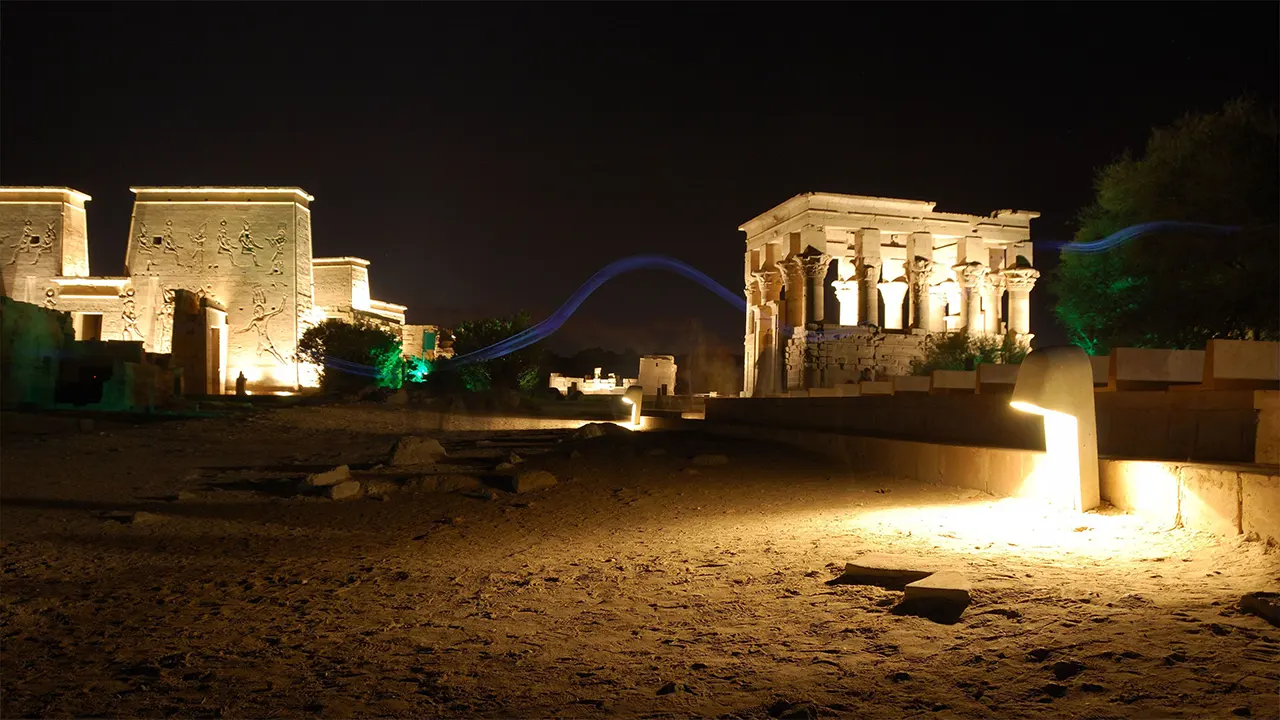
637 586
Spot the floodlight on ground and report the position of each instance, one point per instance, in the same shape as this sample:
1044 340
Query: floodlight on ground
633 397
1057 384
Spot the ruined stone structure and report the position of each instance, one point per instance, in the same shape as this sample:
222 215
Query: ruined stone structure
244 255
656 376
903 270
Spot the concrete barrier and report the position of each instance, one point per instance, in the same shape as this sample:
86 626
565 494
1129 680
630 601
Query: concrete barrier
1101 369
1266 447
997 378
954 381
910 383
876 387
1242 365
1216 498
1146 369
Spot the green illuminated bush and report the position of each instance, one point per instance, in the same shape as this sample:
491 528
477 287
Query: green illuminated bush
961 351
362 343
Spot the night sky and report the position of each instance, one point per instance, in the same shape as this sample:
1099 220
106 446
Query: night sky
489 157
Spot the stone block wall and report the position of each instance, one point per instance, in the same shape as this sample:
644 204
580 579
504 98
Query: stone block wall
32 340
840 355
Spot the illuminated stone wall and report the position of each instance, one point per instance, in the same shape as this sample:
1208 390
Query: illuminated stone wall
246 249
242 250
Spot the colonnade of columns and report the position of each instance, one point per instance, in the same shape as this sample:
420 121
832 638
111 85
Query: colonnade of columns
924 296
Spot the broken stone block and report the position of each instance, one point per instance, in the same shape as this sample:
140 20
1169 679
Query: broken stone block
1265 605
344 490
887 571
946 585
708 460
531 480
503 467
342 473
515 459
414 450
941 597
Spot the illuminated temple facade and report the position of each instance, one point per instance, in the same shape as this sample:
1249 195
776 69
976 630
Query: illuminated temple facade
902 270
239 261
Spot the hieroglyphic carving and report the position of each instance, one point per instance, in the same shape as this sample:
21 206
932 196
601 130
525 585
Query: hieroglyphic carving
23 245
169 245
277 243
197 241
51 298
224 244
129 314
261 318
248 246
46 243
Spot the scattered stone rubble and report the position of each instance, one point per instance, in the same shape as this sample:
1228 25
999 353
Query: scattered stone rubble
938 594
415 450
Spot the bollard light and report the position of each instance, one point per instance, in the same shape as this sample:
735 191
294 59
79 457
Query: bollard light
633 397
1057 384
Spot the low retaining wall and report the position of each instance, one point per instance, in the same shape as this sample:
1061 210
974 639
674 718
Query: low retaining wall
1202 425
1222 499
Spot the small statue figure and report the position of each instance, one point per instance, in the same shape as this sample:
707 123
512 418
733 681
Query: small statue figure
240 383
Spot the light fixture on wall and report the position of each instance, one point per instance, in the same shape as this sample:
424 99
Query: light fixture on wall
633 397
1057 384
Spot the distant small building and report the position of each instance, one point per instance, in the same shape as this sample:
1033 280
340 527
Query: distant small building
657 375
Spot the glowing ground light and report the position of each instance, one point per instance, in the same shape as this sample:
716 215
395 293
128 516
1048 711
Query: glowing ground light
1057 384
634 396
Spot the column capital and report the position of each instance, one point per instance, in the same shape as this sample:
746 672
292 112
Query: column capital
1021 278
769 282
922 271
845 286
970 274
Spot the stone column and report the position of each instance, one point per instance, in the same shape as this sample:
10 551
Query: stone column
847 296
794 279
921 274
751 349
870 267
995 292
1020 281
970 276
815 267
893 293
768 368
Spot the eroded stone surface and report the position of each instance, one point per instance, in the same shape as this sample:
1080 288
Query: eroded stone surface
887 571
416 450
946 585
344 490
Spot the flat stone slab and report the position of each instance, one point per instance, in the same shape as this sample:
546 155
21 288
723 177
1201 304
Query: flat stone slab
947 585
892 572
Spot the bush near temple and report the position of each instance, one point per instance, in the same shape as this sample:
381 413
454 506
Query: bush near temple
1180 289
520 370
360 343
962 351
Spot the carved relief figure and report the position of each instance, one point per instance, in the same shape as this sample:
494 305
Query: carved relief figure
260 320
46 243
277 243
248 246
197 241
23 245
224 244
164 314
51 298
169 245
144 245
130 316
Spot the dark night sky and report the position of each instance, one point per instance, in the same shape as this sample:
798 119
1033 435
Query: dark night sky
488 157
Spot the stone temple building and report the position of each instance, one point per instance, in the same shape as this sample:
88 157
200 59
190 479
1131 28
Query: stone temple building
237 259
902 270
